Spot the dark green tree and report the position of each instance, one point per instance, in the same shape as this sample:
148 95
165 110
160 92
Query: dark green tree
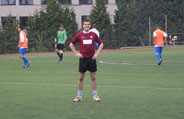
45 24
1 41
132 19
126 21
101 18
10 35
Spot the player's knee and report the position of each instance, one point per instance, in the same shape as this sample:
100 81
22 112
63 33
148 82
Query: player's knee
93 78
20 55
61 52
81 79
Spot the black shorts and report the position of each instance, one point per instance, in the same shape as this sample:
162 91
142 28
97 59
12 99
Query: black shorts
60 46
87 64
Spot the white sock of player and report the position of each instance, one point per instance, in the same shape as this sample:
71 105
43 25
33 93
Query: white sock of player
79 93
95 92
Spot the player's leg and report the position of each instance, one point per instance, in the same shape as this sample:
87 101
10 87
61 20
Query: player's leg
157 53
160 52
57 51
27 61
61 53
22 52
80 87
80 83
93 82
61 56
82 70
160 55
92 67
94 86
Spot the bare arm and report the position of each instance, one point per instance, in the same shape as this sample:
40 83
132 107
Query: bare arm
75 51
153 40
64 41
98 51
165 39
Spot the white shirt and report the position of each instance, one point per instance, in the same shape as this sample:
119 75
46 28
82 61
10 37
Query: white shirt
95 31
155 34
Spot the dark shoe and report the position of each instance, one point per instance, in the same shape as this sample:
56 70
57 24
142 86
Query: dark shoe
28 64
159 63
60 61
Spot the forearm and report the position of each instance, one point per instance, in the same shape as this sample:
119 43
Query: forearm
99 48
58 36
20 44
64 41
73 49
165 39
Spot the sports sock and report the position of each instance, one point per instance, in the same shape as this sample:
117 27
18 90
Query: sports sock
158 57
79 93
61 56
95 92
58 55
25 60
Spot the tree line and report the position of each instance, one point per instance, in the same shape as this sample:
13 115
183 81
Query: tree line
130 26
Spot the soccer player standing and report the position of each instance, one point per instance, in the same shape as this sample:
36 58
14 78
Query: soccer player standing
87 57
23 46
61 39
159 37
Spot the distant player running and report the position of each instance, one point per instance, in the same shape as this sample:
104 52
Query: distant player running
159 39
59 43
87 57
23 46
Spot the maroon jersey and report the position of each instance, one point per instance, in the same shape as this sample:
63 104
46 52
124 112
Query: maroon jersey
86 43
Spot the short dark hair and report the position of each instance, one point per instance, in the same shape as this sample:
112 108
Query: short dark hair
61 25
21 27
159 26
86 20
94 25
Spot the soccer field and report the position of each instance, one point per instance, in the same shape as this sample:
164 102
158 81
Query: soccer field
130 84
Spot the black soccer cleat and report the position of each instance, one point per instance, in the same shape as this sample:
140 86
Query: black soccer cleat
159 63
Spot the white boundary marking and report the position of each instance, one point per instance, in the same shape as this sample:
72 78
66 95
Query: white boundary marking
150 63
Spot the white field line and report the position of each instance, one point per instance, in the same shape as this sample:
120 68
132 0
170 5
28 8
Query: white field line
102 86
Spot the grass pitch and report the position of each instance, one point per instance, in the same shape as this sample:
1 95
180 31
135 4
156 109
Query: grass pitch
130 85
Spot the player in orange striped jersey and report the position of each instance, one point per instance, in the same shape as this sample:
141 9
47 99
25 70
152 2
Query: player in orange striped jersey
23 46
159 39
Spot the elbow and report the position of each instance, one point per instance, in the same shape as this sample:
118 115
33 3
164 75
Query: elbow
71 44
102 45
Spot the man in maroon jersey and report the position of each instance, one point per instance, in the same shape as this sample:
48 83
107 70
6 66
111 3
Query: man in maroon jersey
88 56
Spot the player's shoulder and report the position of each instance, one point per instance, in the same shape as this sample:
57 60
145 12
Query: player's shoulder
92 32
79 33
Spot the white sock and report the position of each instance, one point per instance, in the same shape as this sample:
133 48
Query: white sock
95 92
79 93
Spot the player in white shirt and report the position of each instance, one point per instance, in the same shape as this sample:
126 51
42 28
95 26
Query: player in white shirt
94 29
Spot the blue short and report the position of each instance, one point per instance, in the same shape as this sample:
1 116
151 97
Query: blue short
96 45
159 49
22 51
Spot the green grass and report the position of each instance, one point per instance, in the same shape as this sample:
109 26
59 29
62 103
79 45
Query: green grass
130 85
